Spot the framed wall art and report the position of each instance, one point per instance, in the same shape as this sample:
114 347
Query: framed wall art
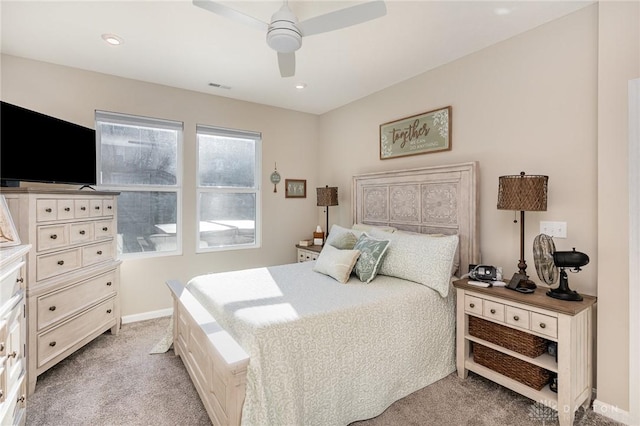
418 134
8 234
295 188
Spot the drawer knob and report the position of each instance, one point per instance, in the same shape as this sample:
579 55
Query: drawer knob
516 318
52 344
52 308
53 236
97 207
99 252
493 311
109 284
543 325
48 210
67 209
83 208
12 354
20 280
108 311
105 229
472 305
2 347
109 207
82 232
60 262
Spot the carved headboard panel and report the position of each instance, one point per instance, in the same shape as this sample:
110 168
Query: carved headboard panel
431 200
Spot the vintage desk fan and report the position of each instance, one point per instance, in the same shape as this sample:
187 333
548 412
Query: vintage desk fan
548 260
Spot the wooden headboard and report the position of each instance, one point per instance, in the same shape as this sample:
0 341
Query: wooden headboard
430 200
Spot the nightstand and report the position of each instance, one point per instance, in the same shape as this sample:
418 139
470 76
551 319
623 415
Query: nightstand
535 316
308 253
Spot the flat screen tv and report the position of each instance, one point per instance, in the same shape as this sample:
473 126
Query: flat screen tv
35 147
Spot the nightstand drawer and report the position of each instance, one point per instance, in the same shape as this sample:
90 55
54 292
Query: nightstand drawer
493 310
473 304
52 236
544 324
517 317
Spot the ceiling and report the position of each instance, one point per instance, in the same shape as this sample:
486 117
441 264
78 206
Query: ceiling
175 43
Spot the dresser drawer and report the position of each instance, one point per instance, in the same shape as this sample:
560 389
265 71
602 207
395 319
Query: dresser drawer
104 229
54 342
97 253
95 208
52 237
81 209
108 207
15 354
81 232
65 209
50 265
10 281
57 305
46 209
544 324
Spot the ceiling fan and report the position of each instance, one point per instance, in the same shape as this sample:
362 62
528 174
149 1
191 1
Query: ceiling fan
284 32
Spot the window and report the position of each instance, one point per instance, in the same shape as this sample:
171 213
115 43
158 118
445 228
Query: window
141 158
228 189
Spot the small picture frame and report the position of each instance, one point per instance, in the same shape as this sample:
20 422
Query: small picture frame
8 234
295 188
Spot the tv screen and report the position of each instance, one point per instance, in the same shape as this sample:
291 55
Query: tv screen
36 147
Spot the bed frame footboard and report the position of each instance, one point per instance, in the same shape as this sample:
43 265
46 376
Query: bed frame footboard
216 363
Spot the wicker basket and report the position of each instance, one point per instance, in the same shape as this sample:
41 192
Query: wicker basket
509 338
514 368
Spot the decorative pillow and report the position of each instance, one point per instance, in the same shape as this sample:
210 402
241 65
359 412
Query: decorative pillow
336 263
344 241
371 253
337 231
456 257
420 258
367 228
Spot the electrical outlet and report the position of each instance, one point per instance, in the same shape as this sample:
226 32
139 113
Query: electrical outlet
554 229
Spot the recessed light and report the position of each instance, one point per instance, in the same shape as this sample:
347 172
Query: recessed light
301 86
112 39
501 11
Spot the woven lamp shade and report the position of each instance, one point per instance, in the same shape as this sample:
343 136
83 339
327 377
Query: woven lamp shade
522 192
327 196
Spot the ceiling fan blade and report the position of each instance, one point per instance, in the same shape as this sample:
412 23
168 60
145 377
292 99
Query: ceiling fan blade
343 18
287 64
227 12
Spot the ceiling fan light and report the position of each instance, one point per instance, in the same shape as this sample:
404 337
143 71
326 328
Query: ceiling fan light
284 40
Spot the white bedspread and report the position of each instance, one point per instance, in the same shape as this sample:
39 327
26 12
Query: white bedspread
325 353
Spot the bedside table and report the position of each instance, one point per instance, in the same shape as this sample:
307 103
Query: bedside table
538 318
307 253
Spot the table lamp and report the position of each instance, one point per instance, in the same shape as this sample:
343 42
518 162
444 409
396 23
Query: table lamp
523 193
327 196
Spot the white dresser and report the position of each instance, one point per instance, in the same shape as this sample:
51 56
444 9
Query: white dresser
12 335
72 271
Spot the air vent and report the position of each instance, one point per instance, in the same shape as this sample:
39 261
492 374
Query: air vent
219 86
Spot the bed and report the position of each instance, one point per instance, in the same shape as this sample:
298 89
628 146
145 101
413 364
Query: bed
292 344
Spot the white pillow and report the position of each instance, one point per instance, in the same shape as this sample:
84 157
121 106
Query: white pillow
337 232
456 257
420 258
336 263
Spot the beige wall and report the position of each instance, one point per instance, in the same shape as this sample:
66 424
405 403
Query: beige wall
289 138
526 104
531 103
619 62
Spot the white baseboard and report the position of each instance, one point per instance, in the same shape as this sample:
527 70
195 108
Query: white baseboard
612 412
147 315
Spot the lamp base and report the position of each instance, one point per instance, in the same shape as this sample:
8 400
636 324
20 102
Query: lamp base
567 294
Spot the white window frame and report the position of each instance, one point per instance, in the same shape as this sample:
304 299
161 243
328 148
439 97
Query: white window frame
135 120
257 190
